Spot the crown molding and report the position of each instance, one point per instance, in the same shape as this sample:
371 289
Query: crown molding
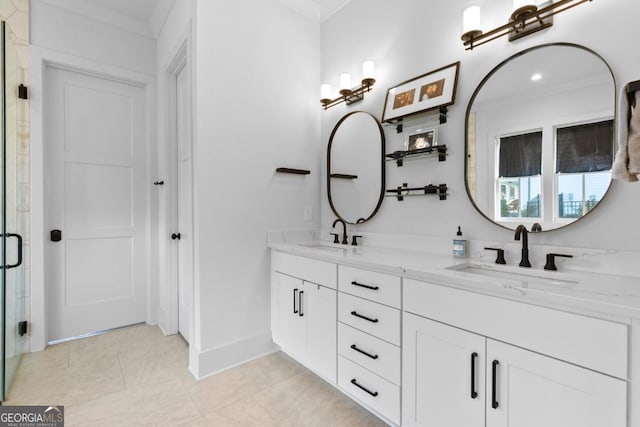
329 7
316 10
160 15
104 15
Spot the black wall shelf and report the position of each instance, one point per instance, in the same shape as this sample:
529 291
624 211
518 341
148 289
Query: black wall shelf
343 176
442 119
400 156
405 191
293 171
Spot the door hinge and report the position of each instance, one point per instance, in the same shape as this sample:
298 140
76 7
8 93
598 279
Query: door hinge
22 328
23 92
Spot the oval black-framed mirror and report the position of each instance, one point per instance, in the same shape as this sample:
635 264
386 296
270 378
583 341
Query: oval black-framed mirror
539 137
356 167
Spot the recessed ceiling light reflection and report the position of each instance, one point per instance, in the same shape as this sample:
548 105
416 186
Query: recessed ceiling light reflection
536 77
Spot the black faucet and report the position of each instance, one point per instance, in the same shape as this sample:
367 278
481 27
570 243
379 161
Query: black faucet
521 230
344 230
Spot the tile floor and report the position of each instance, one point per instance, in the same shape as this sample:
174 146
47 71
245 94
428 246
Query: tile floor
137 377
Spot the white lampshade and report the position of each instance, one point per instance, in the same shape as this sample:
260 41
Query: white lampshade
517 4
471 20
368 69
325 91
345 81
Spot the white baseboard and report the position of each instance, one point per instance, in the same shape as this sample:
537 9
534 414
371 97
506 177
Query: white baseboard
215 360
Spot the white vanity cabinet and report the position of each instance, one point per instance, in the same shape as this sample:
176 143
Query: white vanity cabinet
369 332
454 377
304 312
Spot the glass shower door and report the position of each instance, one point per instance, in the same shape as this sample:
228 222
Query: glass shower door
13 195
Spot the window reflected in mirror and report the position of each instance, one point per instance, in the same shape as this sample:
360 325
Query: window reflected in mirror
540 150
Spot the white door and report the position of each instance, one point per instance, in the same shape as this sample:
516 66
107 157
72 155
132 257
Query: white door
95 187
443 375
534 391
184 208
319 306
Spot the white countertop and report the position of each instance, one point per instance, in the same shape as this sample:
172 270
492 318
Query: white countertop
604 296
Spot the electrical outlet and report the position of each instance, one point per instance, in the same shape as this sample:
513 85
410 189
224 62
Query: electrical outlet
308 213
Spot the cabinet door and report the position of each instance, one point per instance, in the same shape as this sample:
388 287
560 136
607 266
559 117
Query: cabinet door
319 308
533 390
442 375
291 334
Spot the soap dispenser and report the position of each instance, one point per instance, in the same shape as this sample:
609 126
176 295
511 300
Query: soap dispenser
459 245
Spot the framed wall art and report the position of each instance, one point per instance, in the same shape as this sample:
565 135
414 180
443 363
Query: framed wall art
421 139
427 92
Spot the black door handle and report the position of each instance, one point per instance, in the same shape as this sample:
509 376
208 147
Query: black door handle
300 303
474 393
355 383
494 381
369 319
373 356
19 262
175 236
373 288
294 301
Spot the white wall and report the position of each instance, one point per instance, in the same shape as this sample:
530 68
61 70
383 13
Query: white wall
416 36
61 30
257 109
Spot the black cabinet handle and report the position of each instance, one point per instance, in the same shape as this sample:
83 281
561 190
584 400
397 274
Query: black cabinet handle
494 385
294 301
300 303
19 238
373 288
354 313
373 356
175 236
474 393
355 383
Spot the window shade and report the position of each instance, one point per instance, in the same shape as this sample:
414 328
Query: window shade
584 148
520 155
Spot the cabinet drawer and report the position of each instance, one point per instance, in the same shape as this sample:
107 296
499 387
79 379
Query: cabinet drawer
596 344
370 352
373 318
372 390
310 270
378 287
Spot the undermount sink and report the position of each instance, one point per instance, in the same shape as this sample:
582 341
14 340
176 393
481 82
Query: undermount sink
323 246
524 279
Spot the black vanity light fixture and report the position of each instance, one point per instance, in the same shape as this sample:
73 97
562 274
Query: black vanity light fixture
527 18
349 94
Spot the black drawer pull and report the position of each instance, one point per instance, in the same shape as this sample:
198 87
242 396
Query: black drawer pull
494 385
354 313
373 288
474 393
373 356
300 303
295 310
372 393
